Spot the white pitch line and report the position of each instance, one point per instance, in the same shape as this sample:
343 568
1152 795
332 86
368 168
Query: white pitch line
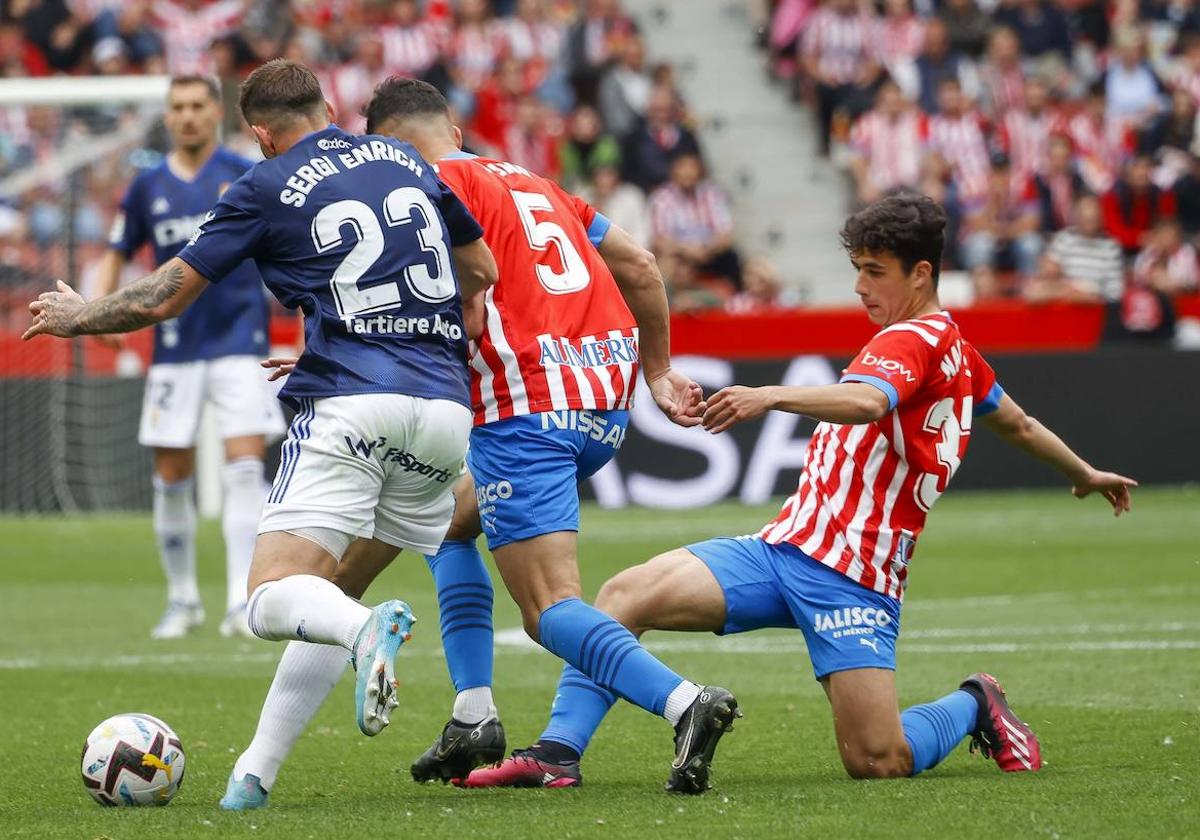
514 642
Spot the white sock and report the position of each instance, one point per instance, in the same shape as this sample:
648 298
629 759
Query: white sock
245 492
684 695
306 608
474 705
304 678
175 528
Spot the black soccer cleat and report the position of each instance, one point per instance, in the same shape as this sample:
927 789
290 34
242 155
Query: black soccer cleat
460 749
709 717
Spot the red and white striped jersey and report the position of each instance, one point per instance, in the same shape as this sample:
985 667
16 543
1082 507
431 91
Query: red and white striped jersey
961 143
841 44
899 39
557 333
891 147
695 217
411 50
187 35
865 489
1101 146
473 52
1025 138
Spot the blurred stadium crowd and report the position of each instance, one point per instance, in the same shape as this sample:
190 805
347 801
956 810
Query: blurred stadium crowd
1061 135
564 88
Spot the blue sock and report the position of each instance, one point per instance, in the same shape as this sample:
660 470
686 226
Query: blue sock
934 729
579 707
464 590
607 653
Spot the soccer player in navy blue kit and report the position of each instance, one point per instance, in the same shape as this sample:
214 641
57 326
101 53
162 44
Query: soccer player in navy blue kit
209 354
361 235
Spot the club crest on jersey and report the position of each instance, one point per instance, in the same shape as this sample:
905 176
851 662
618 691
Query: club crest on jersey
851 621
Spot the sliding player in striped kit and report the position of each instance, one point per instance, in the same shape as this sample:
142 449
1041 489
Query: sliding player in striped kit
579 308
834 563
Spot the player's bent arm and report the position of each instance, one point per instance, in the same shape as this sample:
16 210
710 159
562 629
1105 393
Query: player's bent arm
849 403
475 267
161 295
1014 426
641 285
1010 422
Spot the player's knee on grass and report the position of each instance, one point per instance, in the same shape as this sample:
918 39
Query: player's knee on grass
876 759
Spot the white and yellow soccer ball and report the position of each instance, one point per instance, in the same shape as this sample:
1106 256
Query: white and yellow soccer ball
132 759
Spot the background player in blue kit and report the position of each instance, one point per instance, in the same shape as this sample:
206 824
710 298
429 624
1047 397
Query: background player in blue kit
208 354
362 236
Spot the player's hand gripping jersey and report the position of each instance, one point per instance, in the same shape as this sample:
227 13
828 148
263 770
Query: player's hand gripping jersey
558 334
357 232
865 489
229 319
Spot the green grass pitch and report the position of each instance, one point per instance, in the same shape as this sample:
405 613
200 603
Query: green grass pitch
1092 624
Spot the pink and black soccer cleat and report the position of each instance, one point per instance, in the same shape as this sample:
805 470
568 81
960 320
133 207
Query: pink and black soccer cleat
999 734
524 769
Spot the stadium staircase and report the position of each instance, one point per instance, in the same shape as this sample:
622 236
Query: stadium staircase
788 202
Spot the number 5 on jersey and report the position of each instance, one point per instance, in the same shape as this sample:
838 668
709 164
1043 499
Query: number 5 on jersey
352 299
541 235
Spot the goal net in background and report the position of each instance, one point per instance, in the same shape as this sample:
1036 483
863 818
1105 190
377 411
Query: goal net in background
69 409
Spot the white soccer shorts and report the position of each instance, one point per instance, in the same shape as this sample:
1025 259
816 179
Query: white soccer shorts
381 465
236 386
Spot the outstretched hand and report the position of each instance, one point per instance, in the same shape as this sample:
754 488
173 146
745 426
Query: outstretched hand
1117 489
280 366
54 313
681 399
733 405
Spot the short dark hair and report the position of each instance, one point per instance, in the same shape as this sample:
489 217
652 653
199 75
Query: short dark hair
278 92
397 97
210 84
908 225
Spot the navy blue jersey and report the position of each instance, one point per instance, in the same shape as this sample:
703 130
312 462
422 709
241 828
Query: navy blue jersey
357 232
160 208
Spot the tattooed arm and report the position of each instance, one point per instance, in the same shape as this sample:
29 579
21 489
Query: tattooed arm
161 295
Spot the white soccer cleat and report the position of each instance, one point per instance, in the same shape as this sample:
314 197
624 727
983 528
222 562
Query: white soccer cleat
179 619
235 624
374 660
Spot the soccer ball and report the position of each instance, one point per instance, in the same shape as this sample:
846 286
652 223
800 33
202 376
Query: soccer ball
132 759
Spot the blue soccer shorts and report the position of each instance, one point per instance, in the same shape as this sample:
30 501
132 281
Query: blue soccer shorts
527 469
845 625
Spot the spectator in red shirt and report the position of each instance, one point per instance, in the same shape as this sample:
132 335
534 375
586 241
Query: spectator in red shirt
1135 204
496 103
